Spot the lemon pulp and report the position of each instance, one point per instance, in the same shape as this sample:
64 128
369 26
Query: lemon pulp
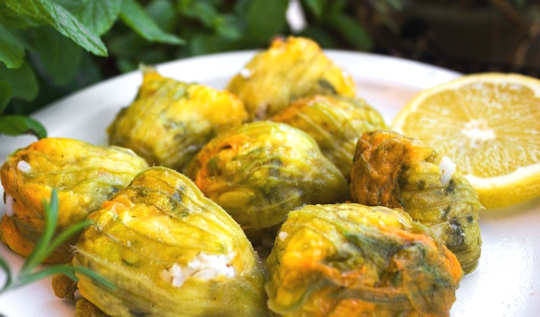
489 125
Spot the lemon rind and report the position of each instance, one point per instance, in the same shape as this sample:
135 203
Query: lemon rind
521 185
530 82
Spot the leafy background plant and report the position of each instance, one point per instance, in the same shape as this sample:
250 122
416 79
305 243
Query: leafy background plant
49 48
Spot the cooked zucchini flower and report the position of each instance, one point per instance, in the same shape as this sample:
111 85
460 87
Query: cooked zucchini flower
288 70
335 122
260 171
84 175
169 121
395 171
350 260
84 308
170 251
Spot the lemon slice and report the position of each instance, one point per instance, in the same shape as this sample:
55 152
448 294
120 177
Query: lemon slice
489 125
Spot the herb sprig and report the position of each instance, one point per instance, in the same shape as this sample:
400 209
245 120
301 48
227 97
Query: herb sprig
30 272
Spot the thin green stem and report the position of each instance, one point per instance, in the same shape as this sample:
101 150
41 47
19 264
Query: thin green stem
40 249
43 248
95 276
24 279
67 234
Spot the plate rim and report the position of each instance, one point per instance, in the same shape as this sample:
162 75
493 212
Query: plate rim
168 65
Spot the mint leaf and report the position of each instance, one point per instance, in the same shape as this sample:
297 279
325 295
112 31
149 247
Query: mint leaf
229 26
59 56
201 10
14 20
126 45
208 43
337 6
352 31
5 94
205 11
11 49
22 80
265 19
126 65
321 36
16 125
62 20
134 15
163 13
97 15
315 6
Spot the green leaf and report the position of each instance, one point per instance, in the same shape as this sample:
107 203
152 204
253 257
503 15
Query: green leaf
22 80
87 74
315 6
126 45
164 13
201 10
241 7
5 94
134 15
97 15
14 20
62 20
16 125
201 44
205 11
352 31
337 7
229 27
59 56
265 19
320 35
11 49
126 65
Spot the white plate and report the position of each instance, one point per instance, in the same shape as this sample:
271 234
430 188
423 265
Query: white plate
507 280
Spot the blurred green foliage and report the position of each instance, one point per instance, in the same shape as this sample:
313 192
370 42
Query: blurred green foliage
49 48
